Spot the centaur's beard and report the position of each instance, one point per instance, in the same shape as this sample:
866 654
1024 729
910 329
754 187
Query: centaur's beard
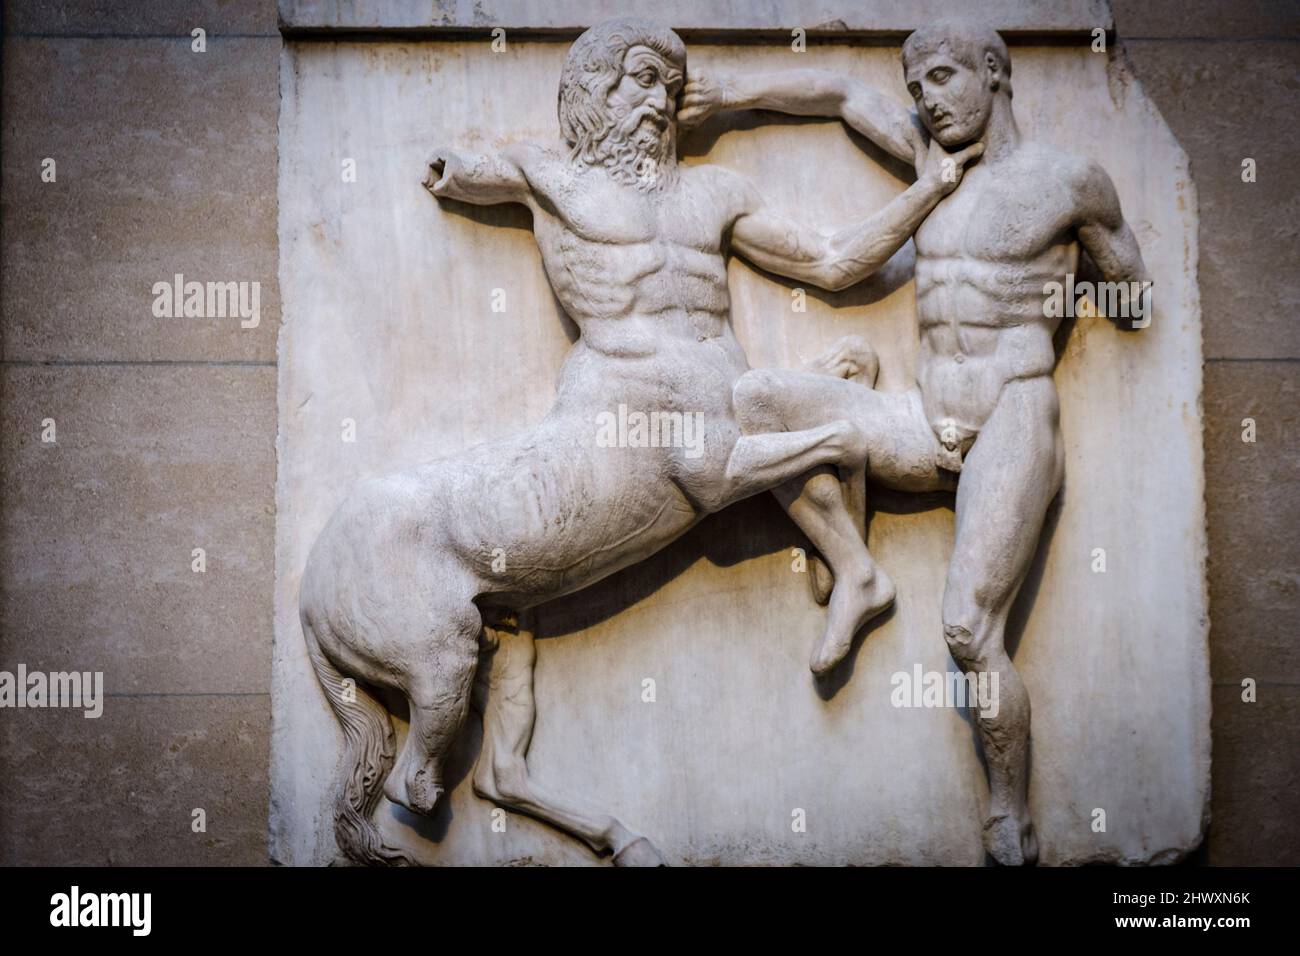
636 150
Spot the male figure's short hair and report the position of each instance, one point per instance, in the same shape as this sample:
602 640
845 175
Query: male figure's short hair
966 41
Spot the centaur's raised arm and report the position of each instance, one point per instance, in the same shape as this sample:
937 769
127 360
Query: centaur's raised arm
892 127
484 179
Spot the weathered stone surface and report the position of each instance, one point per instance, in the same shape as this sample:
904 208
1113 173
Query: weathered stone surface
165 164
120 790
117 17
882 17
391 326
1253 512
1223 101
1256 776
97 530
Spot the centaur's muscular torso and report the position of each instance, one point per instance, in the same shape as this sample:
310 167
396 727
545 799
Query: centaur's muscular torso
643 276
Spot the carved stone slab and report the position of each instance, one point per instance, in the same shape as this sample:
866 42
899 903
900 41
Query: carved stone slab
388 322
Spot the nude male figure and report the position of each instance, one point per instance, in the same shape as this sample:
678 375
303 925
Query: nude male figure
413 566
983 417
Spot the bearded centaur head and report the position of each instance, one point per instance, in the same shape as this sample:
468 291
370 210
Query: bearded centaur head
618 100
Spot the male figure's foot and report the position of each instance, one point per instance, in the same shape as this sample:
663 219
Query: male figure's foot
1011 840
855 600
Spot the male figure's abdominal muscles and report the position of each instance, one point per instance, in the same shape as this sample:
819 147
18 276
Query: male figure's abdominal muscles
1028 271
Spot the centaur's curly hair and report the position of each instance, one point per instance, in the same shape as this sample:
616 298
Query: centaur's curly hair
593 68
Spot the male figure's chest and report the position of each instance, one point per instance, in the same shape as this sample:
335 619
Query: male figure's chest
1011 213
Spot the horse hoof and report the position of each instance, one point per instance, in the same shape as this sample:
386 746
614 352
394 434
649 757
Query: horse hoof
1009 841
640 852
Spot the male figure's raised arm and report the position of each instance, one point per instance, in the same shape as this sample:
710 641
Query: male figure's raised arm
892 127
484 179
837 261
1107 238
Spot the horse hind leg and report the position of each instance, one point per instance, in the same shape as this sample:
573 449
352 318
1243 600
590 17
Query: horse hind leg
501 773
438 684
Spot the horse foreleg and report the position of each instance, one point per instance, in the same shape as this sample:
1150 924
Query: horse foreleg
501 774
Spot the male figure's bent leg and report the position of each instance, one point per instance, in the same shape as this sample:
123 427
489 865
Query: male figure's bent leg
851 357
899 452
1008 479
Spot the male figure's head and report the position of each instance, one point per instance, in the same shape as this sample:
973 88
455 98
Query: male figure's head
618 100
956 70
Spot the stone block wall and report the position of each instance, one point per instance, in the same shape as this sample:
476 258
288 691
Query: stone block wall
166 163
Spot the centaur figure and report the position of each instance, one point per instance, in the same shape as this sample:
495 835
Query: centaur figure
399 587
